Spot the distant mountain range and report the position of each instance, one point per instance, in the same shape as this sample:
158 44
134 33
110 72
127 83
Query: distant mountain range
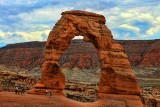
80 54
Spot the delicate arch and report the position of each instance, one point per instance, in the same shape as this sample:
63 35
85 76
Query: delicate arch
116 74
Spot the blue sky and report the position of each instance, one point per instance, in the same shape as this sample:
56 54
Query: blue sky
31 20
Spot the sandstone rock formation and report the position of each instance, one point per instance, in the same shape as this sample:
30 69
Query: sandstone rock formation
117 76
9 79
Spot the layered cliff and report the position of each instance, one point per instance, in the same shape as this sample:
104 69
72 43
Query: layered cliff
23 55
80 54
143 53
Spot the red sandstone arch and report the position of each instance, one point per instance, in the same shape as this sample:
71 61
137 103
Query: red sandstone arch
117 76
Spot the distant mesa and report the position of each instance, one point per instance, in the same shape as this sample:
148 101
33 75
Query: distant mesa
30 55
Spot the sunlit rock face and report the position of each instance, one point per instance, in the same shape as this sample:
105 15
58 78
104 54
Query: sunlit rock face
117 77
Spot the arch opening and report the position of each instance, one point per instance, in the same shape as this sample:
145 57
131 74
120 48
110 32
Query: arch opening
81 66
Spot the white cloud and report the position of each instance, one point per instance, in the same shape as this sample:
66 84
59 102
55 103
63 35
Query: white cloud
123 18
153 30
127 14
37 35
40 19
44 14
158 19
125 26
2 34
33 36
23 36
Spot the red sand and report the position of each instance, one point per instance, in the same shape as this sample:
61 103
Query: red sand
10 99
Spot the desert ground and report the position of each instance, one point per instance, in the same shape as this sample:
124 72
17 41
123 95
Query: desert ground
10 99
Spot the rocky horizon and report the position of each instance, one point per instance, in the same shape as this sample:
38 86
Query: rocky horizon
28 55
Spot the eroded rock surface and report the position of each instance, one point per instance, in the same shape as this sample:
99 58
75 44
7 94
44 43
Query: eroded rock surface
9 79
117 76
